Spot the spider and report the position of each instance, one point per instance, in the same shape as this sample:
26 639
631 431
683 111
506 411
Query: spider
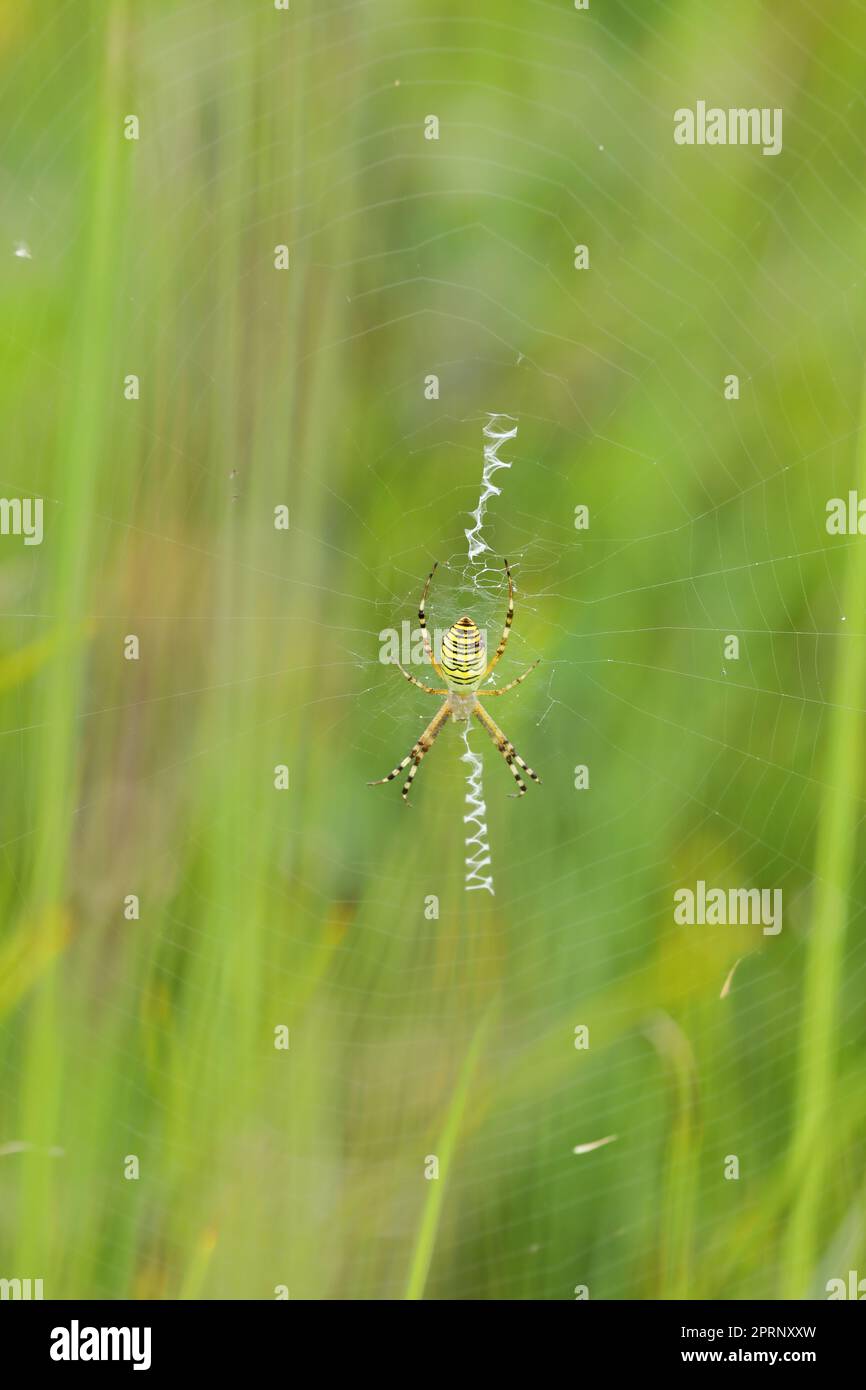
463 668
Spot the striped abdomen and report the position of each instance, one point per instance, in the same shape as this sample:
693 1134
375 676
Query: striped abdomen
463 656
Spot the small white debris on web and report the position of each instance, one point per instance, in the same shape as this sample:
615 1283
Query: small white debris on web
726 987
22 251
594 1144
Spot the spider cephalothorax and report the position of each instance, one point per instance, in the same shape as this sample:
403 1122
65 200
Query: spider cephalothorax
463 667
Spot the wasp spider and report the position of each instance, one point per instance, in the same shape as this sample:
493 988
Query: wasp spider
463 667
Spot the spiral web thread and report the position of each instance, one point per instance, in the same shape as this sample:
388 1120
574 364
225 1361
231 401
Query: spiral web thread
478 855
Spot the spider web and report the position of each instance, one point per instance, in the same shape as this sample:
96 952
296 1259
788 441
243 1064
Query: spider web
479 856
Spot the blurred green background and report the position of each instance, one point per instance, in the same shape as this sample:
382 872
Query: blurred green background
413 1036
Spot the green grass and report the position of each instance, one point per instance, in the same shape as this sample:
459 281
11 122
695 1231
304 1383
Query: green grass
812 1150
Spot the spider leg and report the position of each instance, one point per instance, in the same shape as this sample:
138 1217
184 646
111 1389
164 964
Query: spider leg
412 681
511 684
506 748
422 623
417 752
509 619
